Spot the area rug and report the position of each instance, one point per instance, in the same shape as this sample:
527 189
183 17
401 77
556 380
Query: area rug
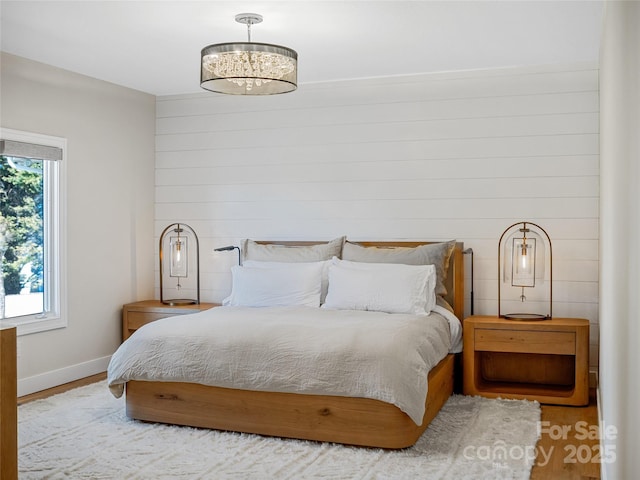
84 434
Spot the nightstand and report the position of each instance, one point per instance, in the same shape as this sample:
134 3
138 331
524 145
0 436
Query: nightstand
137 314
544 360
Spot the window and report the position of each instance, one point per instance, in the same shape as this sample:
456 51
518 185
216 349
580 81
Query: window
32 237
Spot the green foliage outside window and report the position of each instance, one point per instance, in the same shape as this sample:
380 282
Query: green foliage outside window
21 226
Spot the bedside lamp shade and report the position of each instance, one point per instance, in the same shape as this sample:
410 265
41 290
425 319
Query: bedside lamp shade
179 256
180 271
524 262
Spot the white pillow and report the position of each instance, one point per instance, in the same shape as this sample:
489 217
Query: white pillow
271 287
391 288
325 271
437 254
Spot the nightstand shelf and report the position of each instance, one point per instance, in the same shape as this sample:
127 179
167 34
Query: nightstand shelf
525 389
137 314
536 360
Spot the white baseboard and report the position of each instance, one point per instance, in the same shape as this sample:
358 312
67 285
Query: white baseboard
61 376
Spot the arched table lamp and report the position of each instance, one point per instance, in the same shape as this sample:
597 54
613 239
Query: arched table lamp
524 272
181 267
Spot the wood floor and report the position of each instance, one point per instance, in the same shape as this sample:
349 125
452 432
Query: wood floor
568 448
62 388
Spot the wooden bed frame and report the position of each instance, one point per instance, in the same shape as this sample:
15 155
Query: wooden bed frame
354 421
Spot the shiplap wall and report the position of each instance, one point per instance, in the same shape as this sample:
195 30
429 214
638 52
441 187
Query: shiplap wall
435 156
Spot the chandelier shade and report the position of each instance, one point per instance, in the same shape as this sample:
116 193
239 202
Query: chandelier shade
248 68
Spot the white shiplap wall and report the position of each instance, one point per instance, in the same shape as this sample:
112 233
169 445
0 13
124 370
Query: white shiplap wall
439 156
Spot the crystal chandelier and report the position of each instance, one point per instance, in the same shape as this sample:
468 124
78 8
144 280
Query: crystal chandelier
248 68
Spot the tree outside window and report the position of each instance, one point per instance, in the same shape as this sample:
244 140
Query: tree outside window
21 236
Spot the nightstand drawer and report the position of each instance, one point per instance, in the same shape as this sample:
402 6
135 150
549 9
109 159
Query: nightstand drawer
138 319
525 341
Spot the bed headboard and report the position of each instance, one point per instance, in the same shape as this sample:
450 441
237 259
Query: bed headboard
455 275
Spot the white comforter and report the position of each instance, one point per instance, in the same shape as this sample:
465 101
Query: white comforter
291 349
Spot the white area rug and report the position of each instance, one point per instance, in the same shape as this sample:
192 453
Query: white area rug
84 434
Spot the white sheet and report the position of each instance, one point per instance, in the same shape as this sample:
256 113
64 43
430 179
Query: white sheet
291 349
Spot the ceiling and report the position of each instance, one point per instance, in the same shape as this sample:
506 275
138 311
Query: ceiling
154 46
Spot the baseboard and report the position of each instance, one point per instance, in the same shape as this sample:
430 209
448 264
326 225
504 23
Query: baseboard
61 376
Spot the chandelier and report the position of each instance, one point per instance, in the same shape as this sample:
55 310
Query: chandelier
248 68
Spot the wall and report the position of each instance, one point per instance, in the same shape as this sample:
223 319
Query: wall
620 230
110 154
455 155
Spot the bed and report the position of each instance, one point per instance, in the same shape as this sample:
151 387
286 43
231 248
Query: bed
340 418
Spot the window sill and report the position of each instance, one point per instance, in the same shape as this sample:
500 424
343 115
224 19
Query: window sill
31 324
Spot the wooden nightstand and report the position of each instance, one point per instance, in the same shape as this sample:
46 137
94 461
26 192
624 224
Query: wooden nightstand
136 314
544 360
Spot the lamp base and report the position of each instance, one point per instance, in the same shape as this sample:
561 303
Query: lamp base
180 301
526 316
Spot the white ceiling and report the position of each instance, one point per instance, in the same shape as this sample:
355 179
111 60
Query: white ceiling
154 46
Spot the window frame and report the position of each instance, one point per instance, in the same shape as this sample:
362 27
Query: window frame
54 313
